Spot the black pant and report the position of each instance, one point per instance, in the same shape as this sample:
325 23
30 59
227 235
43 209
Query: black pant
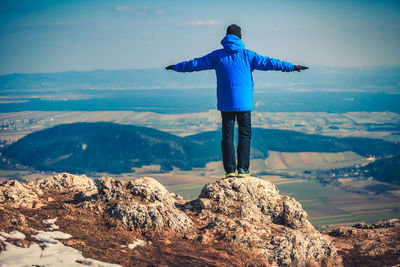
227 143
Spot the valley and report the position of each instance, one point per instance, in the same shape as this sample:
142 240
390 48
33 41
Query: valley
330 202
331 198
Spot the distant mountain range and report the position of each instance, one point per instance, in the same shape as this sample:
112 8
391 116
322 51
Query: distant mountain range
318 78
116 148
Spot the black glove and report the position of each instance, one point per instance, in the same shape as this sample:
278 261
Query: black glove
170 67
299 68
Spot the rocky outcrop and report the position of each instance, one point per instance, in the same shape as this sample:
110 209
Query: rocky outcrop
363 244
143 203
251 213
28 195
65 182
247 214
19 195
255 200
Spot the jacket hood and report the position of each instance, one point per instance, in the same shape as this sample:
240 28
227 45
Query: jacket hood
232 43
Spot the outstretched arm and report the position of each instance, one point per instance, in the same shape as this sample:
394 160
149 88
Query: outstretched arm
259 62
197 64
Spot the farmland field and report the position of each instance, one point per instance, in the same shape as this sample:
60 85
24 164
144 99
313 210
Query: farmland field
312 160
15 125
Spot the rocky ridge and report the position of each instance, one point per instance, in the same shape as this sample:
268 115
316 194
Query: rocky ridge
230 218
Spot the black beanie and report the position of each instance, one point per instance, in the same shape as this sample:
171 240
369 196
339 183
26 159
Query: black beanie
234 29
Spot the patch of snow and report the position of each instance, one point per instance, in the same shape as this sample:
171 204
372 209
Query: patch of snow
52 225
50 237
54 253
50 221
137 242
13 235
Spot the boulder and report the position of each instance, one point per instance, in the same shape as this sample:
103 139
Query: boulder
65 182
255 200
251 213
143 204
20 195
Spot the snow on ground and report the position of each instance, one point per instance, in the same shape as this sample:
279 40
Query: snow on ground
50 221
13 235
50 252
52 225
137 242
50 237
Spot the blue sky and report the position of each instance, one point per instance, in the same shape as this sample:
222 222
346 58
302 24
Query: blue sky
52 36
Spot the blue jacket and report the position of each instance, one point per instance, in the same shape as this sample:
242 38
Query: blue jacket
233 66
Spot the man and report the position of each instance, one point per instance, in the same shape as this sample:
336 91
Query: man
233 66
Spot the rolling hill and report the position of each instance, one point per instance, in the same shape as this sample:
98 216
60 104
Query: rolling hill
116 148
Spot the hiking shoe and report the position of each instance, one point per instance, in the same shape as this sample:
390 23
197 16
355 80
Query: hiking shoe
229 175
243 173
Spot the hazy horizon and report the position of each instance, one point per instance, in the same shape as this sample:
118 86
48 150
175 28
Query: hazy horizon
163 67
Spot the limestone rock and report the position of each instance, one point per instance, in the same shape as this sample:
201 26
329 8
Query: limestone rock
251 213
255 200
143 203
110 189
20 195
65 182
150 190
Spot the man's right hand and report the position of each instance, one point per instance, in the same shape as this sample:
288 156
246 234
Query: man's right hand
299 68
170 67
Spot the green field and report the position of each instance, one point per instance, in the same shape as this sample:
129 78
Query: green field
330 207
19 124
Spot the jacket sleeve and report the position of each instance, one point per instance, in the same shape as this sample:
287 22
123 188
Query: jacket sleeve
197 64
259 62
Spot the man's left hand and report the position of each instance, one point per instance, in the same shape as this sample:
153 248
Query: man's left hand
299 68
